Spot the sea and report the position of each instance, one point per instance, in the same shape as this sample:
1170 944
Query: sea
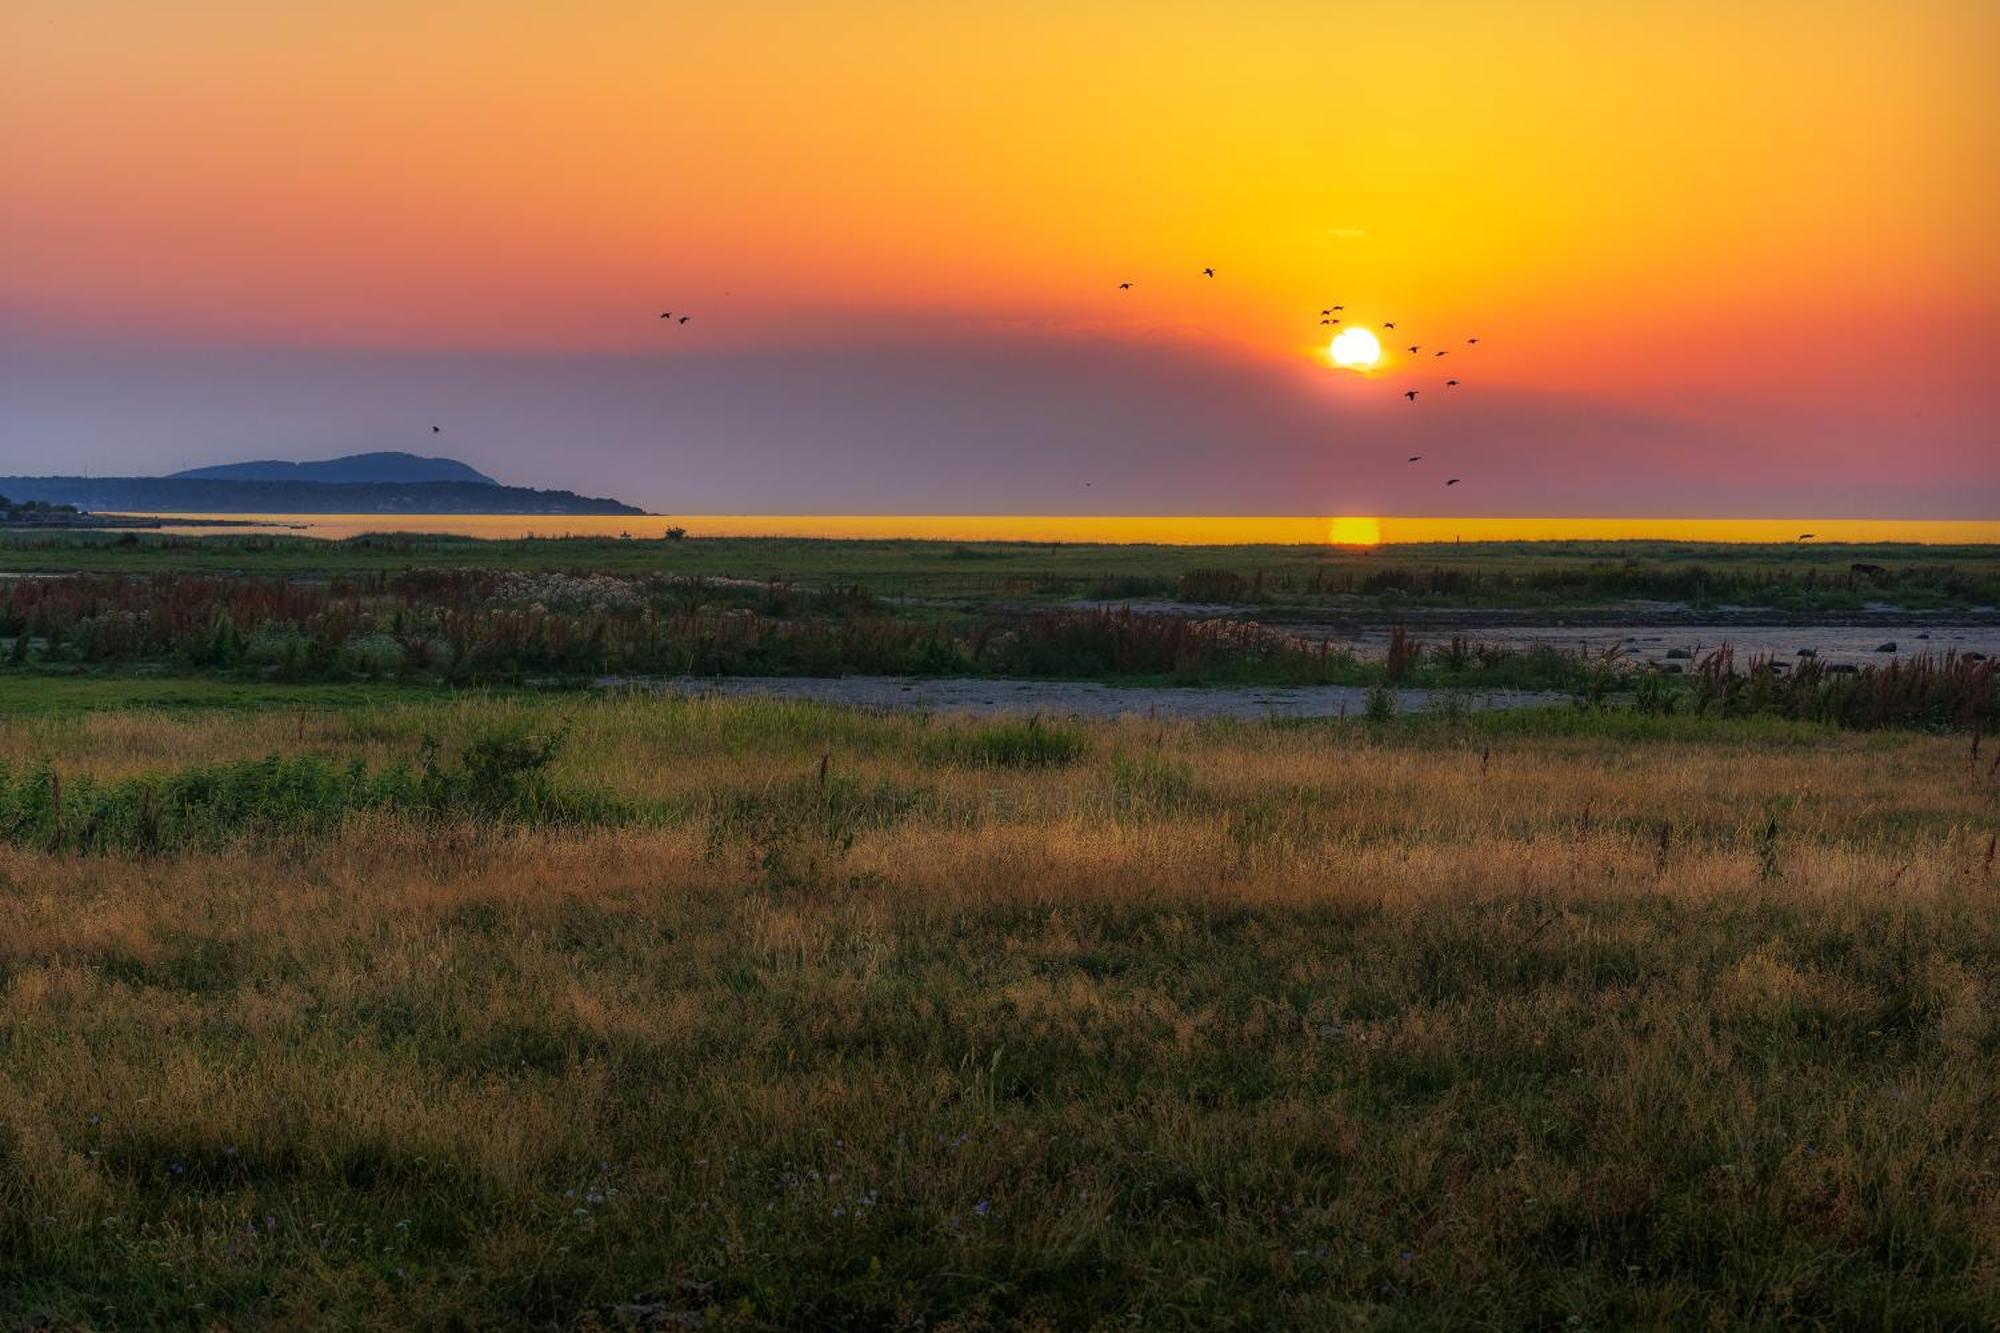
1190 530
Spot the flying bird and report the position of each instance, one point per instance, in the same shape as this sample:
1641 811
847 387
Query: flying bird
666 314
1124 286
1807 536
437 430
1388 326
1410 394
1413 349
1470 341
1208 273
1437 353
1416 458
1451 384
1452 482
684 319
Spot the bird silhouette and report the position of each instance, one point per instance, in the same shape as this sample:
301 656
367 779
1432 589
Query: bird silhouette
1437 353
666 314
1410 394
1452 482
1470 341
437 430
1340 307
684 319
1807 536
1416 458
1326 321
1413 349
1388 326
1451 384
1124 286
1208 273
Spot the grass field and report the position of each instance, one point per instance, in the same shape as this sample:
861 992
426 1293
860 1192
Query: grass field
789 1017
1545 575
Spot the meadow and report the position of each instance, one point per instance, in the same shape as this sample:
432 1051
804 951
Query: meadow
1550 575
588 1011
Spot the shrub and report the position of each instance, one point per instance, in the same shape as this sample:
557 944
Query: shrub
211 806
1212 585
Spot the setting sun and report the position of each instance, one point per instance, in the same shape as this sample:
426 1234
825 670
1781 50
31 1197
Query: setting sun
1355 349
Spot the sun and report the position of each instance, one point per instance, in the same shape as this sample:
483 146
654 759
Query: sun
1355 349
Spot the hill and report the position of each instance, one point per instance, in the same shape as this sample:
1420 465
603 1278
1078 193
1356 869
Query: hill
389 465
199 495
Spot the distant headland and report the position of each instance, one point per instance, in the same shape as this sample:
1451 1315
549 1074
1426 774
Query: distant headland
371 483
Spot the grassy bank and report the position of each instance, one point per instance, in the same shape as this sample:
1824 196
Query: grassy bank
1472 575
843 1021
486 629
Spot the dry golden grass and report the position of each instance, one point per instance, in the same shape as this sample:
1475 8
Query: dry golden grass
1215 1026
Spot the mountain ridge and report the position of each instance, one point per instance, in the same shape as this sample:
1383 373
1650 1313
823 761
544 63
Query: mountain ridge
380 465
195 495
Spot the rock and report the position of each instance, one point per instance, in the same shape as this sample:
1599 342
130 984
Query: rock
1678 654
1888 647
1923 636
1808 652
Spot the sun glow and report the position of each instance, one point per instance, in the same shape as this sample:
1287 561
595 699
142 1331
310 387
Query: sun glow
1354 531
1355 349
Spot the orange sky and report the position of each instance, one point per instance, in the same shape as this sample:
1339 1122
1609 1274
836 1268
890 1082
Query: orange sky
1748 218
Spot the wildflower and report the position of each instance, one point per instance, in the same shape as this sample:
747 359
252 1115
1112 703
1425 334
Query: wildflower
983 1207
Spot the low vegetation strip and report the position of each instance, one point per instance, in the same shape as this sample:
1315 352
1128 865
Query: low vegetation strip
470 628
1548 1020
211 806
1793 578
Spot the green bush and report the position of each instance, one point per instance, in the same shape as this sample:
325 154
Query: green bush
207 807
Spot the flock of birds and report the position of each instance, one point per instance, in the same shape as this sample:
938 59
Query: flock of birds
1329 317
1332 316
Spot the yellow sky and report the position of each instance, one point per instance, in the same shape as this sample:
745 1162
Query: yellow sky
536 159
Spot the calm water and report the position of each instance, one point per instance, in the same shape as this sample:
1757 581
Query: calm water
1177 530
